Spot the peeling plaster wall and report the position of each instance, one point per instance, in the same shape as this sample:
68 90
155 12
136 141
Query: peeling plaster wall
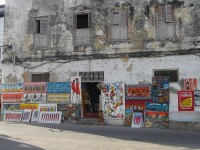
141 33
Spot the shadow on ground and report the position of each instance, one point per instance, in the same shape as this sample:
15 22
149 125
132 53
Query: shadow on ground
7 144
176 138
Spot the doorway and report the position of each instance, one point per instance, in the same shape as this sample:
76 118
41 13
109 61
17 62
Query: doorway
90 99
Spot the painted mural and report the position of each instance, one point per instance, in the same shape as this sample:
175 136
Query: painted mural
197 97
47 107
26 116
58 98
113 100
138 91
35 98
50 117
137 121
128 117
190 84
58 87
76 90
160 89
35 87
136 104
155 119
31 106
70 112
14 116
17 87
12 97
186 100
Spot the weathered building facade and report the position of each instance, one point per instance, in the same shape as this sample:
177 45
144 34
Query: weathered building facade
113 40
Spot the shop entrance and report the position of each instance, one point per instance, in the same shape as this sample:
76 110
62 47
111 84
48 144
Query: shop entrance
90 99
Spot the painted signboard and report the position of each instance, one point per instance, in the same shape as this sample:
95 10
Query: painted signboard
58 87
12 97
185 100
17 87
35 87
138 91
47 107
26 116
197 97
14 116
128 117
155 119
31 106
190 84
113 100
35 116
137 121
50 117
35 98
136 104
160 89
58 97
76 96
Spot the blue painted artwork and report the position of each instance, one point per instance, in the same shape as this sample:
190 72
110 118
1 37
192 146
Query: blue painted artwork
58 87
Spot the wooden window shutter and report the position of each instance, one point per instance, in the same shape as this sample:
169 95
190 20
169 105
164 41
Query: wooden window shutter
31 26
160 17
116 17
44 26
169 15
123 18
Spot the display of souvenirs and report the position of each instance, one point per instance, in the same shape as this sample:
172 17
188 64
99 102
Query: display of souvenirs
33 106
10 88
128 117
157 107
35 98
12 97
50 117
138 91
35 87
47 107
197 97
58 98
136 104
14 116
26 116
190 84
35 116
155 119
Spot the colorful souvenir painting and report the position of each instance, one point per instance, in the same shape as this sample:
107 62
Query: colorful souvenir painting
197 97
70 112
7 88
157 107
190 84
26 116
47 107
50 117
137 121
28 106
76 90
185 100
35 116
14 116
12 97
128 117
136 104
9 107
155 119
58 87
35 87
138 91
113 100
58 98
35 98
160 89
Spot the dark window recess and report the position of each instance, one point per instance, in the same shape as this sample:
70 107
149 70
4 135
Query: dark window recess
92 76
37 25
41 77
82 21
173 74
